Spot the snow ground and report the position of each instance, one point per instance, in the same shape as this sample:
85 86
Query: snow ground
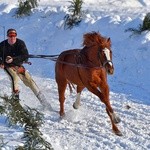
89 127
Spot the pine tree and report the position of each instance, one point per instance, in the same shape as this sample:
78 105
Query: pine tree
146 23
75 14
25 7
30 120
142 27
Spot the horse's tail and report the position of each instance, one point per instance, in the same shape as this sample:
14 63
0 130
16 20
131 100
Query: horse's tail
71 86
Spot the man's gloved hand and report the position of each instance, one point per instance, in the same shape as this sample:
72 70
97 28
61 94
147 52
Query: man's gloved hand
21 70
9 59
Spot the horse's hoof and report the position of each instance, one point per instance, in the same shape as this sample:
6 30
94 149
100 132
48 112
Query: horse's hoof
118 133
61 117
62 114
75 106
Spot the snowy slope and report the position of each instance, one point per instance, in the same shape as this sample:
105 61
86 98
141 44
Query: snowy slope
89 127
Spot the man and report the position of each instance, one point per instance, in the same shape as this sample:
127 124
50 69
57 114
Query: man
13 53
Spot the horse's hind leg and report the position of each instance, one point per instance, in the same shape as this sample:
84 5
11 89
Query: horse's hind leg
76 104
61 91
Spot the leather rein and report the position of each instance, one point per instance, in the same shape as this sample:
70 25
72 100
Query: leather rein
77 64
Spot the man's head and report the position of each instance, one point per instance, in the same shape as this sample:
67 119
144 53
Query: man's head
11 34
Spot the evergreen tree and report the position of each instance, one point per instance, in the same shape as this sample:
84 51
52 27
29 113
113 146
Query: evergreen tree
146 23
25 7
30 120
75 14
142 27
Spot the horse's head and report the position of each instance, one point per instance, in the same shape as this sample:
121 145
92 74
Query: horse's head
105 56
103 49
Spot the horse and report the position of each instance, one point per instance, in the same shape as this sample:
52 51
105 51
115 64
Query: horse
87 68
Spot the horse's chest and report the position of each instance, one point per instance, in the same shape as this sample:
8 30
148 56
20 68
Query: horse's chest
97 76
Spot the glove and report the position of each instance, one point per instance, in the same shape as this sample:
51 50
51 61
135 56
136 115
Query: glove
21 70
9 59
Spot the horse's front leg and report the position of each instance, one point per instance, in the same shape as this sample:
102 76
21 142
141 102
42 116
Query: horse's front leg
114 120
103 94
113 116
77 103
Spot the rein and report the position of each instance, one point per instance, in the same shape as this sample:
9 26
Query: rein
51 57
54 58
79 65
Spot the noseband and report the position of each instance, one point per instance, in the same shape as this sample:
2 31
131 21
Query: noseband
107 61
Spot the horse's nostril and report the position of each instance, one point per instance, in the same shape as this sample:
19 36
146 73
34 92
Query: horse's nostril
110 71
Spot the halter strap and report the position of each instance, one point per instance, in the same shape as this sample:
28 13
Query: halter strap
107 61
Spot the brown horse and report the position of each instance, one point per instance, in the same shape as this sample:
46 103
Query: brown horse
87 68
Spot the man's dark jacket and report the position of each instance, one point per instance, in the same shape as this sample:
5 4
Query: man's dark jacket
18 51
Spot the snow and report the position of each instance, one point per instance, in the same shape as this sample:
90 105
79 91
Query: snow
87 128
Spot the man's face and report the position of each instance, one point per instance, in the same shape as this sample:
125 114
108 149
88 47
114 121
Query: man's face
12 39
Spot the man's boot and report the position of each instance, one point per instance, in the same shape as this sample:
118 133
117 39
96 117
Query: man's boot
44 102
15 95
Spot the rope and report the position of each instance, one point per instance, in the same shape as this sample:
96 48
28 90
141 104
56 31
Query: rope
50 57
42 56
54 58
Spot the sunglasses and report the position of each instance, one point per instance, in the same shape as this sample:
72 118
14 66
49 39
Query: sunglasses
12 36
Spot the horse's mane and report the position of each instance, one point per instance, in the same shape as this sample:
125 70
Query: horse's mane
93 38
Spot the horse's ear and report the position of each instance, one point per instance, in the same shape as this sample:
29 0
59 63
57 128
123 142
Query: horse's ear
109 40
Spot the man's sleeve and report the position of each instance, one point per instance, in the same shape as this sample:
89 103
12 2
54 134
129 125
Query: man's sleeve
23 54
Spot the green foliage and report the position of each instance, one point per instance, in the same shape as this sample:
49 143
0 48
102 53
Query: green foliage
2 143
25 7
75 14
146 23
142 27
2 110
34 140
31 120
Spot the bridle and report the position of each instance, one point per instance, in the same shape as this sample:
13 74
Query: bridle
103 64
77 63
107 61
